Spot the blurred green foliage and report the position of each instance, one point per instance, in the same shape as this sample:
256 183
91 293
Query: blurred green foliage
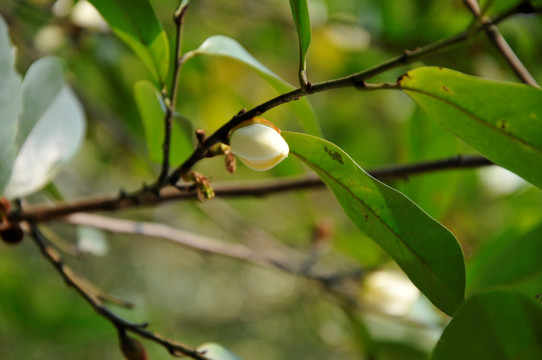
256 312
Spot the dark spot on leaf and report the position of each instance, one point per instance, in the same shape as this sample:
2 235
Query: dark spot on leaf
502 124
366 218
446 89
401 78
334 155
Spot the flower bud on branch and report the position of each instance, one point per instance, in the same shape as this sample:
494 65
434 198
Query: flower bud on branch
258 144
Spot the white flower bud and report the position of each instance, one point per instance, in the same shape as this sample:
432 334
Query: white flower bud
258 146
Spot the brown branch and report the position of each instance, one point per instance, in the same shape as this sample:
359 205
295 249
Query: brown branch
178 19
403 171
72 280
260 188
355 80
502 46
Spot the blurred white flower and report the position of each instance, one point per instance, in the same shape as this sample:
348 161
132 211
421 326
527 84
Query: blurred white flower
257 145
85 15
390 292
50 38
499 181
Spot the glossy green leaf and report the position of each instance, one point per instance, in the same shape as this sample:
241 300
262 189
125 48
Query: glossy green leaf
10 105
135 23
522 256
300 13
53 140
152 110
496 325
219 45
427 252
213 351
501 120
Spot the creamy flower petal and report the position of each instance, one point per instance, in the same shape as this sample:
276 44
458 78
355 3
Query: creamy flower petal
259 146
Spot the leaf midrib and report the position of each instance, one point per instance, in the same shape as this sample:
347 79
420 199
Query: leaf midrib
476 118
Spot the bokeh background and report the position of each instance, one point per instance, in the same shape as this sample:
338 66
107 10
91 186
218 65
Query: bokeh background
258 312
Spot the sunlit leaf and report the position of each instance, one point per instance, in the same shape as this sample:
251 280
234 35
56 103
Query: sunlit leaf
501 120
499 324
214 351
10 105
427 252
300 13
219 45
152 110
53 141
135 23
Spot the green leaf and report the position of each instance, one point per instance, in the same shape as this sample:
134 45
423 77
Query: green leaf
522 256
425 141
152 110
500 324
300 13
135 23
10 105
501 120
219 45
213 351
427 252
54 138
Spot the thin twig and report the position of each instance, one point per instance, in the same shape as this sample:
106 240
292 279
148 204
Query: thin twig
505 50
259 188
204 244
72 280
184 238
356 80
171 101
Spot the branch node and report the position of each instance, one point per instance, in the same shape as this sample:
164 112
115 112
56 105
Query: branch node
201 136
404 58
360 84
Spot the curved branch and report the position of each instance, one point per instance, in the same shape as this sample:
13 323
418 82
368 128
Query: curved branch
72 280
